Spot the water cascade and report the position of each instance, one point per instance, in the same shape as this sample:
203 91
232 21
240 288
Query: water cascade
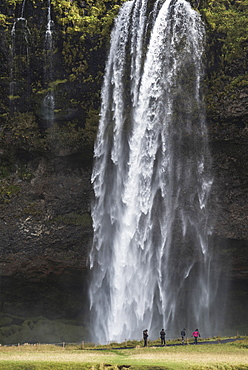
151 261
49 99
22 9
19 69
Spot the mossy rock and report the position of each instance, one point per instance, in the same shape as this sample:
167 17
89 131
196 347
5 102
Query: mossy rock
41 330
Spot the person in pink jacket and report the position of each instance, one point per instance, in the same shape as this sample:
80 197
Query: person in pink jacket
196 334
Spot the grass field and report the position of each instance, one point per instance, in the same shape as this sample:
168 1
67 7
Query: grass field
230 356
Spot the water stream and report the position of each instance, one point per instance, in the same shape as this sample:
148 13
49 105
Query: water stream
19 67
151 261
49 99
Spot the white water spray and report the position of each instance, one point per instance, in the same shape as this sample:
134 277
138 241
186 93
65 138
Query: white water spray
151 261
49 39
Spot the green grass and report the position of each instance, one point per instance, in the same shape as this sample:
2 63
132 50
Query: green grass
231 356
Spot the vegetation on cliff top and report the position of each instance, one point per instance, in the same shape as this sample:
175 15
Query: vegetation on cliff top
227 52
70 73
81 32
229 21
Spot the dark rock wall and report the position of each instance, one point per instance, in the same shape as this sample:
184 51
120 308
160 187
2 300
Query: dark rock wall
230 210
227 117
46 234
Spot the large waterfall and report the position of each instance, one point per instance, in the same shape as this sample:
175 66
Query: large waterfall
151 260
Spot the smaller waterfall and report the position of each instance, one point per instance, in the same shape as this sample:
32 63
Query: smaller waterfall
23 7
48 105
49 99
20 59
49 37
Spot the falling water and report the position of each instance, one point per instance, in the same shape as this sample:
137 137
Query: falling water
20 36
49 99
152 265
23 8
19 69
49 41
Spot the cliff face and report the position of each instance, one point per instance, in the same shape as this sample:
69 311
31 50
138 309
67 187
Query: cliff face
227 116
46 234
48 118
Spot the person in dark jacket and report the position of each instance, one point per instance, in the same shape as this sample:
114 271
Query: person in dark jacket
196 334
183 335
162 337
145 337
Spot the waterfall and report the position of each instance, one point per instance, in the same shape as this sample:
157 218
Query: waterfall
49 43
23 8
19 68
49 99
151 261
20 34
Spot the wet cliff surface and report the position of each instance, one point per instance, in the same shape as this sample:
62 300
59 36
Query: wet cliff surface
46 233
46 162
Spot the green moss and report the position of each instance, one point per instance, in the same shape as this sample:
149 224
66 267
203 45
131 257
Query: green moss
41 330
229 20
14 2
4 171
74 219
3 19
80 44
55 83
8 191
91 126
13 97
5 320
22 132
238 82
95 18
227 47
67 137
32 209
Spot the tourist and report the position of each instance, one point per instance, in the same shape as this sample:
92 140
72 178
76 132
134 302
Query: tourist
145 336
196 334
183 335
162 337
